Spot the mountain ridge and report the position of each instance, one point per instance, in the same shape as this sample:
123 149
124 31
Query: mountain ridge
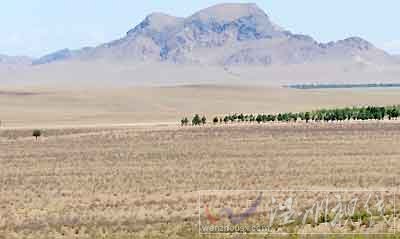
223 35
12 60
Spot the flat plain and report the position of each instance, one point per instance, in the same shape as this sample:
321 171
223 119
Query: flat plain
143 182
45 107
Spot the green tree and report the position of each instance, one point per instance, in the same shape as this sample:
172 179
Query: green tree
196 120
293 116
241 117
215 120
393 112
203 120
271 118
252 118
285 117
226 119
184 121
307 117
259 118
302 116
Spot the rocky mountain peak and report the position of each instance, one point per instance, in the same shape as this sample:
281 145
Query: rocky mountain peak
229 12
357 42
157 22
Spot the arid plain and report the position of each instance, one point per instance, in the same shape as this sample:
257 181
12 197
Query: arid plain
143 182
91 142
45 107
116 163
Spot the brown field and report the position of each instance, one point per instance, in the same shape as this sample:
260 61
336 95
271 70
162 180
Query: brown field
53 107
141 182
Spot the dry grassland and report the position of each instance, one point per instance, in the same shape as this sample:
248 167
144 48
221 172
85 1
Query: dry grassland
48 107
143 182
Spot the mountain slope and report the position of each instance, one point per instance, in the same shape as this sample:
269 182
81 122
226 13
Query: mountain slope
15 60
13 63
224 35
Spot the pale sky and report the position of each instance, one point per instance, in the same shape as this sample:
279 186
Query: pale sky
38 27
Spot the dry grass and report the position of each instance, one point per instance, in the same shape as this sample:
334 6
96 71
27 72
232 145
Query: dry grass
48 107
121 182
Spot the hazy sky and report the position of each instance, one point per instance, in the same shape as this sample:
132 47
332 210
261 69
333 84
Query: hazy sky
37 27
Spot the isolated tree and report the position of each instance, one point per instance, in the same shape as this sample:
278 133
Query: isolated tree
203 120
184 121
215 120
196 120
36 133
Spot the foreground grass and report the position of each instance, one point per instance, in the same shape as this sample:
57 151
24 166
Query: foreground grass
142 183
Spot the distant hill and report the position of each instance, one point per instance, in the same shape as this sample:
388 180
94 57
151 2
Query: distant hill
224 35
15 60
8 63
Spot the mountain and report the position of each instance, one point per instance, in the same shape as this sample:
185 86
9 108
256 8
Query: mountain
222 35
15 60
397 57
56 56
12 63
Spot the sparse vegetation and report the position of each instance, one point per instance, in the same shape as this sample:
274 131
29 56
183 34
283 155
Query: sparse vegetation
84 187
184 121
215 120
36 133
343 86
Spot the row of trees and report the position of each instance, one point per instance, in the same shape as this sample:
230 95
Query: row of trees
327 115
196 120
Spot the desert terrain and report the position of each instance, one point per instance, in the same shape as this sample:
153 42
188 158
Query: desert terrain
143 182
111 160
115 162
44 107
